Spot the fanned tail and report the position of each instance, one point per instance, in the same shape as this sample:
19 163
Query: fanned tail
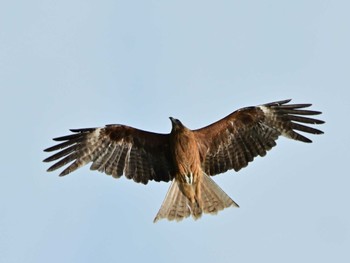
214 199
176 205
211 200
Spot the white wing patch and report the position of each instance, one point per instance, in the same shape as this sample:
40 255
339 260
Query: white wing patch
272 119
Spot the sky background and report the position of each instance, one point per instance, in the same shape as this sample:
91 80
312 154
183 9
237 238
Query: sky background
73 64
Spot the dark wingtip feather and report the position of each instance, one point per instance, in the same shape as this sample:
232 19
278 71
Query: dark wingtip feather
317 131
67 137
318 121
81 130
314 112
50 169
77 134
293 117
63 173
302 138
61 154
277 103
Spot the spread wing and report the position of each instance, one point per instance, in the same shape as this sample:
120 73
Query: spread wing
234 141
115 150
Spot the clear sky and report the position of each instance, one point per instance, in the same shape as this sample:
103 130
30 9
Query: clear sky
73 64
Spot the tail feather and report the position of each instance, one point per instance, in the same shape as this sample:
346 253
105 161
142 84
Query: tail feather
214 199
176 206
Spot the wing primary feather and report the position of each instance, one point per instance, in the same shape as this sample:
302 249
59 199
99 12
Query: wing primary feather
304 119
83 130
71 168
297 136
277 103
79 133
62 162
67 137
62 145
297 112
295 106
303 128
61 153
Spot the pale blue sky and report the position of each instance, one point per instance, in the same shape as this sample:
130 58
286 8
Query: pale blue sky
72 64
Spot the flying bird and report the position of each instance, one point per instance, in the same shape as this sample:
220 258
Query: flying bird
187 158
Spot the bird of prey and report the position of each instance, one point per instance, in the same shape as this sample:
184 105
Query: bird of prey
187 158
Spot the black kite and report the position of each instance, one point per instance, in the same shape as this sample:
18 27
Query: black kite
186 157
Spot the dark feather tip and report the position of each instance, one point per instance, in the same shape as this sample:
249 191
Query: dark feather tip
81 130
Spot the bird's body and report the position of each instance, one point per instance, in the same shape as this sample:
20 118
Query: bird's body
186 160
186 157
193 192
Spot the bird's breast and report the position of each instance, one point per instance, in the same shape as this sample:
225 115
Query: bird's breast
186 158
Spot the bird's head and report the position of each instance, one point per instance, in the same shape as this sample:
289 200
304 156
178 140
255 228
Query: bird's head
176 124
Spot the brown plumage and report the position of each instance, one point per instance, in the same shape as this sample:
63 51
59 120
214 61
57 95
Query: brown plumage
186 157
